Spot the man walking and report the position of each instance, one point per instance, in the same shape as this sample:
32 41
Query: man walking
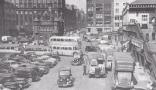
84 69
84 65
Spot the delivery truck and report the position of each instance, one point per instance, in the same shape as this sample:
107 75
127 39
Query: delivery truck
123 71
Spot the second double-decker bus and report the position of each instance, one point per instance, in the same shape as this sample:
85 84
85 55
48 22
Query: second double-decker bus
65 45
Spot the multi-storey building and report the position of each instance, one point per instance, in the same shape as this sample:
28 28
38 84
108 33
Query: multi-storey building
99 16
7 18
44 17
73 18
118 6
70 18
142 12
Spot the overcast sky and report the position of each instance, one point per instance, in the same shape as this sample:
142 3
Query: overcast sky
79 3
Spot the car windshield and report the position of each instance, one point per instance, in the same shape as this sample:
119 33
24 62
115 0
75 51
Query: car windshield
100 61
62 73
94 63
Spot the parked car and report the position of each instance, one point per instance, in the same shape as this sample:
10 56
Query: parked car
7 79
28 71
65 78
44 68
15 83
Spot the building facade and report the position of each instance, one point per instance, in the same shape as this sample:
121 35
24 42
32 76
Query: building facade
70 18
142 12
118 6
44 17
74 18
99 16
7 18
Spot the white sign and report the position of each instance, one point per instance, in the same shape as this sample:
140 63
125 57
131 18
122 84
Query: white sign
137 42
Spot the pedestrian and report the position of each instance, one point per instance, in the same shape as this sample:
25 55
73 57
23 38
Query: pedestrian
84 69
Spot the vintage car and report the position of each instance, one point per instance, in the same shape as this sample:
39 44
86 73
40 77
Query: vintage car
8 80
97 68
11 63
44 68
78 59
28 71
65 78
14 83
58 58
55 55
53 61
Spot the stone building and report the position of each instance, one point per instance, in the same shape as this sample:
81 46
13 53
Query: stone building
7 18
99 16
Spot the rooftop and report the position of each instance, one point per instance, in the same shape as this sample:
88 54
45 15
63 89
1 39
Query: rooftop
144 2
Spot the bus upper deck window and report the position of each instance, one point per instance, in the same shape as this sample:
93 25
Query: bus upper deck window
65 48
70 48
62 48
58 47
62 40
58 39
54 40
70 40
12 47
8 48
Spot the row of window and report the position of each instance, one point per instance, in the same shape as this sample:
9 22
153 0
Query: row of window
69 40
118 17
9 48
36 49
123 4
65 48
153 36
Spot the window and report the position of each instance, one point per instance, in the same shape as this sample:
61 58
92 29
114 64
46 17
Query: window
99 16
54 47
124 4
117 4
117 10
62 40
89 29
70 48
58 47
58 39
117 24
117 17
144 26
144 18
99 30
147 36
132 21
153 36
65 48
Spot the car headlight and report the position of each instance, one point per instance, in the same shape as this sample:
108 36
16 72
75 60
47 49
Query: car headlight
132 84
116 84
41 68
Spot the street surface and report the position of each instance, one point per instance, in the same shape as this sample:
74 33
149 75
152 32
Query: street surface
49 81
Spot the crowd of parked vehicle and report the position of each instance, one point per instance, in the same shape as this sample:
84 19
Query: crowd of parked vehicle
18 71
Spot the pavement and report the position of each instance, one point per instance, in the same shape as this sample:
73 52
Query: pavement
49 81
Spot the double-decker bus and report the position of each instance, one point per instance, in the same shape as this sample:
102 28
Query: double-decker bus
9 48
65 45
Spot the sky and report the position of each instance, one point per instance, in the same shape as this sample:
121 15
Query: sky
81 4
